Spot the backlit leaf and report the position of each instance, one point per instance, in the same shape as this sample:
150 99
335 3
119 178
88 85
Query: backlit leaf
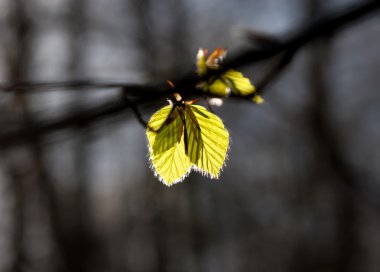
166 147
188 137
217 87
239 84
213 143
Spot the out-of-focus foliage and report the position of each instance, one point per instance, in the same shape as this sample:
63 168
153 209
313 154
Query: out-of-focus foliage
229 81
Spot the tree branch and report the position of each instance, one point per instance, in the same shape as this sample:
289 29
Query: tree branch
326 25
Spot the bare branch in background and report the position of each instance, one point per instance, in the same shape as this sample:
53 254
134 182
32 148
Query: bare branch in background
326 25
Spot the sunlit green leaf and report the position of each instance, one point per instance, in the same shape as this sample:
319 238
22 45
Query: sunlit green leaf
211 149
239 84
188 137
166 147
217 87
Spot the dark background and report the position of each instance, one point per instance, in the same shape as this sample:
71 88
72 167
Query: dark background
300 191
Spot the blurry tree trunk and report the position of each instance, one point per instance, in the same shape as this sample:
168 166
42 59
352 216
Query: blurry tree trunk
17 70
332 157
179 37
148 39
159 48
332 163
32 173
78 243
329 165
145 37
73 246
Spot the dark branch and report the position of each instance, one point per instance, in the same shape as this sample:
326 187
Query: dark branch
326 25
72 120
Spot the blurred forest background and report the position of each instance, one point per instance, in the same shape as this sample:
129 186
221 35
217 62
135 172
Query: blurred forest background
301 189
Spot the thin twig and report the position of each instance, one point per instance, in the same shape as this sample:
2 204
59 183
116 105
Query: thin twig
136 111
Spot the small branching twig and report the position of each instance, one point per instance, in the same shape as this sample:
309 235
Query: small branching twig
135 110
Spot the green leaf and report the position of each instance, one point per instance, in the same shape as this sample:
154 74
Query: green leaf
239 84
217 87
166 147
225 83
211 149
190 138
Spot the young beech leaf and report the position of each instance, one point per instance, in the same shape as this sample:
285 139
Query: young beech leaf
183 137
225 83
239 84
